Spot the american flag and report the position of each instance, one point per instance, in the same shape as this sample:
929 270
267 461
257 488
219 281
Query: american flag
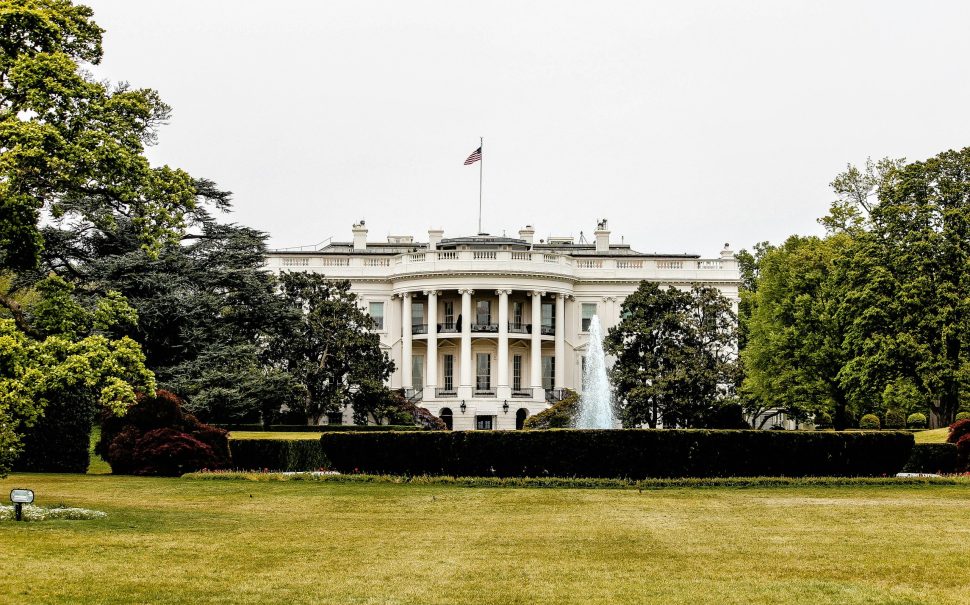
474 157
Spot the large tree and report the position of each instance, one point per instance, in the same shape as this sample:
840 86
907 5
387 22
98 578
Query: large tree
72 148
676 356
327 343
795 352
907 307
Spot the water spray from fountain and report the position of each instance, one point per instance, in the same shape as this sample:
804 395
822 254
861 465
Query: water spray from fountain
596 405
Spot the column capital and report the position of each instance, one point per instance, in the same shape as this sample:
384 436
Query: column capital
566 296
538 293
431 292
609 299
465 291
403 295
504 291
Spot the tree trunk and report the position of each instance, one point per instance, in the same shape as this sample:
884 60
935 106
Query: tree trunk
840 419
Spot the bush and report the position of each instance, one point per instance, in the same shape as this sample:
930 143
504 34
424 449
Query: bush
895 419
156 437
561 415
318 428
963 454
60 441
963 416
276 454
823 421
916 421
957 430
932 458
631 454
870 422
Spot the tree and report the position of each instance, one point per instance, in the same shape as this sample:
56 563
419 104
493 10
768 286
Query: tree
327 344
794 354
72 147
89 373
675 355
907 309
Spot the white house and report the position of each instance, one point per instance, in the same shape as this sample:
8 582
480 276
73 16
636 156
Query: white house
488 330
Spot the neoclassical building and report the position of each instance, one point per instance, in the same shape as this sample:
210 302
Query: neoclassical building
488 330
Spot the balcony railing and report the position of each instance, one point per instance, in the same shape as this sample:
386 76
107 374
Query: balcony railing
419 328
483 393
548 330
445 393
484 327
521 392
519 328
553 395
413 395
448 328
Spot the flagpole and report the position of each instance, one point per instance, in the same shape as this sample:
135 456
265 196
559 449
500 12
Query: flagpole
481 168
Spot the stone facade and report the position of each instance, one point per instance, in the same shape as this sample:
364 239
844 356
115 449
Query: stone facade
487 330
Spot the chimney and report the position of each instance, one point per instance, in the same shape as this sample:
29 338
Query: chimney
602 234
527 234
360 236
434 236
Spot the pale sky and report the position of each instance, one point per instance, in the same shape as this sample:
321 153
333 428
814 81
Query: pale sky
686 124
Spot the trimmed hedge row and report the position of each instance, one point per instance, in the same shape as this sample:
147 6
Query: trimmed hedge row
319 428
932 458
276 454
630 454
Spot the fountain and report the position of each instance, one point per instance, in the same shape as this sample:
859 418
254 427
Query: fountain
596 405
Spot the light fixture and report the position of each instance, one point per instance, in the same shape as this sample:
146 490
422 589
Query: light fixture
505 406
463 406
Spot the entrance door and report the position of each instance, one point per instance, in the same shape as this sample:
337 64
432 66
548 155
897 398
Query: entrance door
483 423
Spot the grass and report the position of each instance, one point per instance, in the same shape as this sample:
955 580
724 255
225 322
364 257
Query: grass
275 435
183 540
932 436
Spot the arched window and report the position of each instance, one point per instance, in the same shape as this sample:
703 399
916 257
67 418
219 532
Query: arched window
520 417
446 416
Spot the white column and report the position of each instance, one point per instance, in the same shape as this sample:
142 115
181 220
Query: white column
465 365
560 340
504 391
431 376
406 377
535 367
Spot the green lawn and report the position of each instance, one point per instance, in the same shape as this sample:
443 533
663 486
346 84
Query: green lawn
274 435
932 436
181 540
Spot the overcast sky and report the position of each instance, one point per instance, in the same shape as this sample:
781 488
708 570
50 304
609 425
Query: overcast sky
686 124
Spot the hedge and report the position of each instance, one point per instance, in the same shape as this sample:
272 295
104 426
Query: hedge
275 455
319 428
932 458
630 454
60 442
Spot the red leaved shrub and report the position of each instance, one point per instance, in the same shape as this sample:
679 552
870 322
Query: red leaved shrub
957 430
156 437
960 435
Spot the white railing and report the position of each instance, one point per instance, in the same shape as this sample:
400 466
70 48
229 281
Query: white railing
629 264
589 264
483 255
708 264
448 255
377 262
521 256
296 262
551 258
335 262
670 264
417 257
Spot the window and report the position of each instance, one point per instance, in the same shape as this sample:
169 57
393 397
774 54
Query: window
483 423
517 315
548 315
483 380
516 372
449 372
589 310
449 314
483 312
417 372
447 417
335 418
376 310
548 372
417 314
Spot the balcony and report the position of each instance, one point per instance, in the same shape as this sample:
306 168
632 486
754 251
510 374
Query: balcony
548 330
519 328
449 327
489 392
419 328
521 392
445 393
485 327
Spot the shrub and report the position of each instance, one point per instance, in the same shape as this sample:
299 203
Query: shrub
895 419
823 421
932 458
916 421
156 437
963 454
963 416
276 454
60 441
957 430
560 415
632 453
869 422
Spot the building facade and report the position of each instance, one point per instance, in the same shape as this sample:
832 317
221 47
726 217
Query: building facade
487 331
